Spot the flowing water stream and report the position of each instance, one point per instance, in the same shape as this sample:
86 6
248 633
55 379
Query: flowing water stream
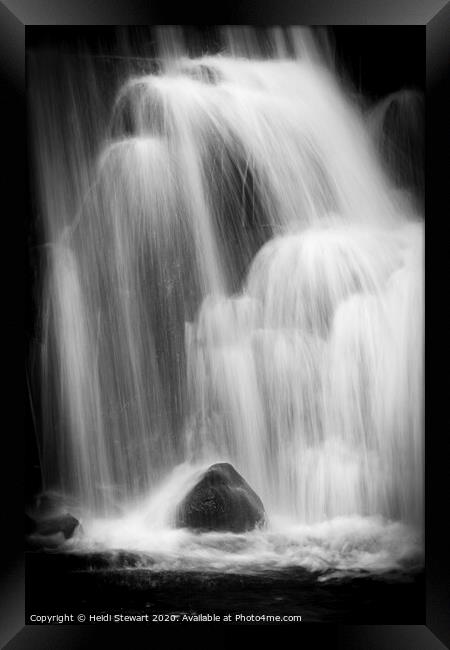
234 275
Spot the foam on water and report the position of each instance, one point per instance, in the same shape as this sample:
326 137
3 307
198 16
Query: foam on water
337 548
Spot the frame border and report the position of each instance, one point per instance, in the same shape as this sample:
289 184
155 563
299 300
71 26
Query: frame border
15 15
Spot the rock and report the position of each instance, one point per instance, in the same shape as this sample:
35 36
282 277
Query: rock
222 500
64 524
48 520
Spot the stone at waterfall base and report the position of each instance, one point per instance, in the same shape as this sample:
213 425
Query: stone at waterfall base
221 501
64 524
48 524
50 533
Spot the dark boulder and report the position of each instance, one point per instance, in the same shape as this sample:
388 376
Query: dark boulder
48 520
221 501
65 524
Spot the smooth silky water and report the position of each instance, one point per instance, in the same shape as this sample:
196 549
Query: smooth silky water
234 274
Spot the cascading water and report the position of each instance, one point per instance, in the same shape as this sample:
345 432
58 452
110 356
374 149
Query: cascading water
236 277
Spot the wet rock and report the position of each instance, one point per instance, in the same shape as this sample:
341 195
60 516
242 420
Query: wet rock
65 524
48 522
221 501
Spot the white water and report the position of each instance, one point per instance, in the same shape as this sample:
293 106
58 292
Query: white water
239 280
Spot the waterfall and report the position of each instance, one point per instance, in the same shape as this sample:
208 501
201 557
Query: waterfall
234 274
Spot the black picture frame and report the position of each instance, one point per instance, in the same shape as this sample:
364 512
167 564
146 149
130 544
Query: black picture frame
434 16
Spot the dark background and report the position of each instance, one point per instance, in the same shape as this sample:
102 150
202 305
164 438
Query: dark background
380 59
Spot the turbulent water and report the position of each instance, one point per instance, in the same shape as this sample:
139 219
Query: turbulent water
235 274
